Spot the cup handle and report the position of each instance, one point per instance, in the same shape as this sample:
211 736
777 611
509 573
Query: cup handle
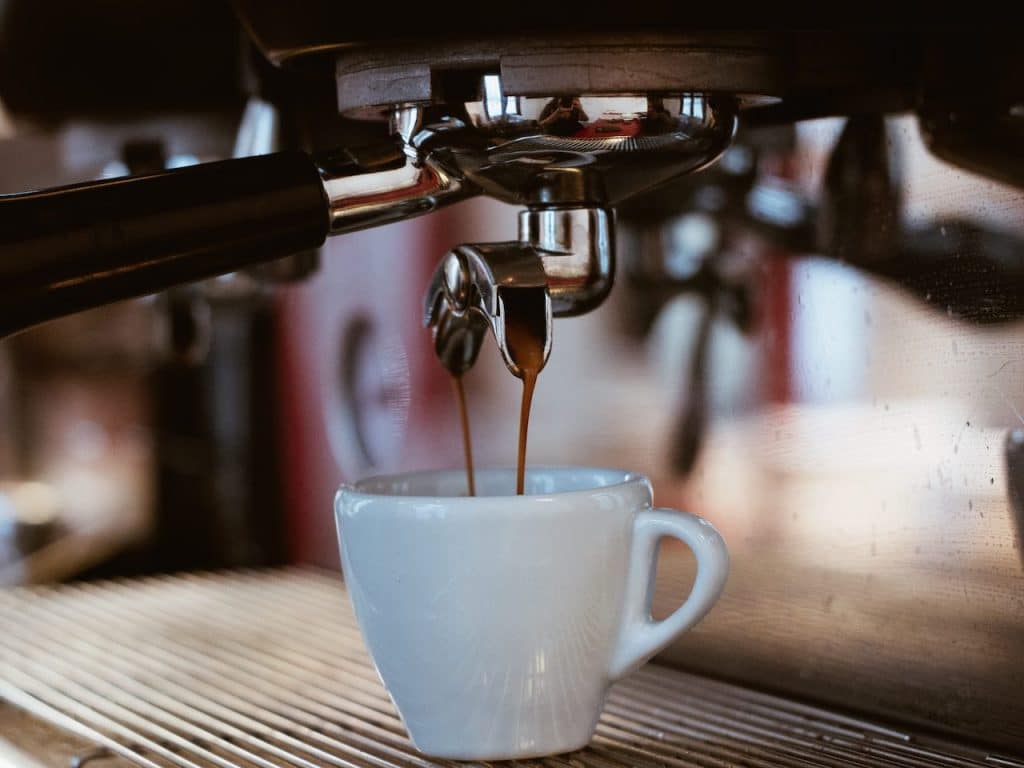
641 637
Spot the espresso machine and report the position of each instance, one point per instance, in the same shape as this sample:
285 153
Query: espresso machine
637 162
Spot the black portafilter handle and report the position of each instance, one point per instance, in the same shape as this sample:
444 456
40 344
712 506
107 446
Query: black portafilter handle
72 248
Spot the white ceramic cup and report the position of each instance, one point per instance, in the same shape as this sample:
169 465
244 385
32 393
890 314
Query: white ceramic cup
498 622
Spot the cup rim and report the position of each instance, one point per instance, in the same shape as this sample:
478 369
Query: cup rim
628 478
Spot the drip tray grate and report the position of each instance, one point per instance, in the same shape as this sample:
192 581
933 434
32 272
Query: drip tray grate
268 669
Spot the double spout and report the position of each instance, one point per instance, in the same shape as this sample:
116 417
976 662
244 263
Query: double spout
562 265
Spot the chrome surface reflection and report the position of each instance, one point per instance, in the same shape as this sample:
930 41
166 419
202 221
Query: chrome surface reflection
582 148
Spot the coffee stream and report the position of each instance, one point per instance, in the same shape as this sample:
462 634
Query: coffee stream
467 445
525 337
529 382
525 334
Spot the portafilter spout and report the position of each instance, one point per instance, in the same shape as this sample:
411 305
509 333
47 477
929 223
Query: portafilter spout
562 265
568 159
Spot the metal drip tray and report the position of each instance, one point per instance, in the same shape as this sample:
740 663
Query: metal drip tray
268 669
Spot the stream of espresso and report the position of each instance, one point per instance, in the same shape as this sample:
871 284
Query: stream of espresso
467 445
529 382
525 334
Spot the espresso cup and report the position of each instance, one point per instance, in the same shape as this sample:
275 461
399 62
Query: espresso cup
497 622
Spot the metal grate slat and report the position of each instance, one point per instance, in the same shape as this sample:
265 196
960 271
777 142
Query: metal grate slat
265 669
